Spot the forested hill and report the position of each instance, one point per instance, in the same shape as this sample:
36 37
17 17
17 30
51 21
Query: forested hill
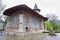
58 21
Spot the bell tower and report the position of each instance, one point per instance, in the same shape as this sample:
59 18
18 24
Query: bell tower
36 8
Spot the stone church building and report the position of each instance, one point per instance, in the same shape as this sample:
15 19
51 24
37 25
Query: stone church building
22 18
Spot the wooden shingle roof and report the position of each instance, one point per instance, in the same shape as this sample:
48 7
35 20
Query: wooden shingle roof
12 10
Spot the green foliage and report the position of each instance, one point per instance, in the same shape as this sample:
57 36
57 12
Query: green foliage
53 24
48 25
58 27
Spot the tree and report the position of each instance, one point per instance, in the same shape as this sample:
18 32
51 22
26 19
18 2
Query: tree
1 12
52 21
52 17
48 25
53 24
1 9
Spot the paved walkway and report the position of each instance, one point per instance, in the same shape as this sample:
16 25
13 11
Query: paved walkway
45 38
53 37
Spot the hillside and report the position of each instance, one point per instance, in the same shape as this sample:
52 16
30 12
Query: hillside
58 21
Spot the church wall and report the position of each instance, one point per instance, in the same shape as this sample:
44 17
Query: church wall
12 22
24 19
33 22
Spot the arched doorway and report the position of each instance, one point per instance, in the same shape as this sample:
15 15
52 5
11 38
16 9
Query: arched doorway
26 29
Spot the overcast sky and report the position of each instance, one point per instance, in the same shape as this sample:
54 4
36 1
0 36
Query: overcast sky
46 6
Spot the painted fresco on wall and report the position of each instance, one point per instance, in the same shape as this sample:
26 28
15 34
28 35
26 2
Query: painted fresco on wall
13 22
35 23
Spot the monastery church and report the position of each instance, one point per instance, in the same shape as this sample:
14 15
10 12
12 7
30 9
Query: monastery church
22 18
